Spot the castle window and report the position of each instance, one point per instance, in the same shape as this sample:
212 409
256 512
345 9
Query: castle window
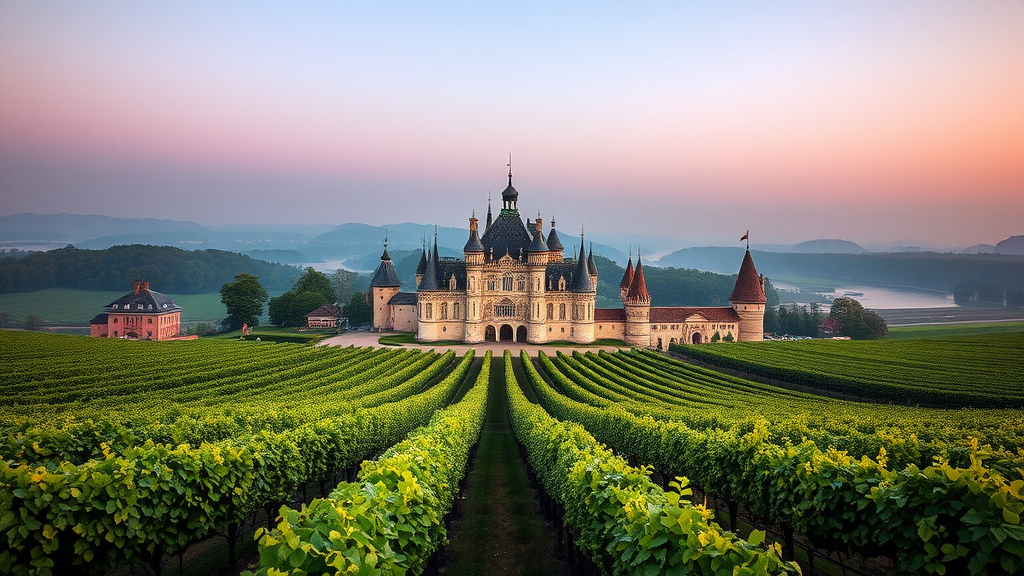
455 310
452 284
491 284
430 311
506 282
561 313
444 310
521 285
551 311
561 283
504 310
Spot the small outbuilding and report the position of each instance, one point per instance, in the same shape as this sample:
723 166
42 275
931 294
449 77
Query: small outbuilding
329 316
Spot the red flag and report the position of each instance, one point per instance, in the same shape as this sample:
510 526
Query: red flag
745 236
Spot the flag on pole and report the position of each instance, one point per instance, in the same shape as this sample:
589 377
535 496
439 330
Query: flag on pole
745 236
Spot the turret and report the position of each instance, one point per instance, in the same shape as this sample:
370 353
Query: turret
422 266
627 279
509 197
638 309
583 298
383 286
474 252
592 266
748 300
555 248
537 260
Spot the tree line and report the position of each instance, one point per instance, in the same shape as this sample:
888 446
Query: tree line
245 297
169 269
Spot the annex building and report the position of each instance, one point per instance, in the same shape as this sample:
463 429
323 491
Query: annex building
516 285
142 314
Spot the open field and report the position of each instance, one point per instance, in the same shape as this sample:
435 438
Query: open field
949 330
63 306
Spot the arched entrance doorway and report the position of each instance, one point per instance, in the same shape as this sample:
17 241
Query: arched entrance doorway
490 335
506 333
521 334
696 337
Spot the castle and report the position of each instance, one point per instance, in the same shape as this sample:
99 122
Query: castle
516 286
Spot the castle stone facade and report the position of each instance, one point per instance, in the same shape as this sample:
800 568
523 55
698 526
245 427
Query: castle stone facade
513 284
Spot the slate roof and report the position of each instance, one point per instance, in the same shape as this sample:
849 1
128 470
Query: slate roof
449 267
667 314
507 234
386 275
403 298
581 274
472 245
422 266
748 285
590 261
510 192
553 242
429 281
538 244
144 301
556 270
100 318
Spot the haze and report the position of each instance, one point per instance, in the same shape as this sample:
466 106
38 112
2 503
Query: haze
870 121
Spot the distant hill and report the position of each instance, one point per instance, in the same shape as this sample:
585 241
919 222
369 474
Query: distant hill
979 249
830 246
168 269
928 270
279 256
1012 245
63 227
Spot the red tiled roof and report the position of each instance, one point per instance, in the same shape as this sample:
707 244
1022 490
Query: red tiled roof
664 314
748 287
610 314
627 278
638 287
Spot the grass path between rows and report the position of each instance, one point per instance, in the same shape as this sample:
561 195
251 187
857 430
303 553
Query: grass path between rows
501 530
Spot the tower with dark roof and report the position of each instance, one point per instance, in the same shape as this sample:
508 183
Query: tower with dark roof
554 244
383 286
627 279
748 300
474 254
592 265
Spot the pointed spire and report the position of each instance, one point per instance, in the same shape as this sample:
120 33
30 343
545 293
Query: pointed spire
748 289
473 244
590 261
429 281
422 266
638 294
385 275
581 273
489 219
553 242
538 244
509 196
627 278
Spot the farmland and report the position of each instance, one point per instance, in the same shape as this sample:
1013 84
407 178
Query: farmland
118 453
982 371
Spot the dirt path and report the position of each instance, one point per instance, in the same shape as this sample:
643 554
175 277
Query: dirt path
501 530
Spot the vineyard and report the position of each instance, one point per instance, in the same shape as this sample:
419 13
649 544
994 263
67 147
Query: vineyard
980 371
119 453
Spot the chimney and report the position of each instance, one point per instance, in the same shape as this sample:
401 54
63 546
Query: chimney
540 224
145 285
472 224
138 285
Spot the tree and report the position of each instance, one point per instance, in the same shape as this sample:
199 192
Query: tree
357 310
716 336
343 283
309 292
855 321
244 300
318 282
34 322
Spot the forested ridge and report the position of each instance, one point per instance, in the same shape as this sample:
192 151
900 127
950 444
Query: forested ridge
168 269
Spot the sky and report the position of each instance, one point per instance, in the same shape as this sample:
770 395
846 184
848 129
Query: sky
871 121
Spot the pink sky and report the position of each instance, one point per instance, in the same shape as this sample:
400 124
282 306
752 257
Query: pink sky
871 122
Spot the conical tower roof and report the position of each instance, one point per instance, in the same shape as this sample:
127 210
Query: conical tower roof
537 244
748 289
638 293
422 266
473 244
429 281
590 261
627 278
553 243
581 274
386 275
